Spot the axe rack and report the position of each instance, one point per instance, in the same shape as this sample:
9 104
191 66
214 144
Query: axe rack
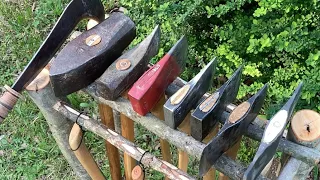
193 147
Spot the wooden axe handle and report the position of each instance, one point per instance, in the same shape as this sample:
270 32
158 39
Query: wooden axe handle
76 143
7 102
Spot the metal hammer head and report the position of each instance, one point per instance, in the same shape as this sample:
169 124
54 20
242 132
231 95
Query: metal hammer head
271 136
85 58
147 91
178 105
234 127
207 114
122 73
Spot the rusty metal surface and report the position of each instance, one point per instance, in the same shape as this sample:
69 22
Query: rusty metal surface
271 137
73 13
175 113
202 122
231 131
121 74
78 64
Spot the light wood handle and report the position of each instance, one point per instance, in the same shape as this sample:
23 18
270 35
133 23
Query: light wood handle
7 102
77 144
137 173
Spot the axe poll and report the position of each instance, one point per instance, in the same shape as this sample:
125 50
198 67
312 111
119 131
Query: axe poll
73 13
234 127
271 136
114 82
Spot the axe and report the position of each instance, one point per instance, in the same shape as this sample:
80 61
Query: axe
271 136
147 94
73 13
234 127
180 104
119 77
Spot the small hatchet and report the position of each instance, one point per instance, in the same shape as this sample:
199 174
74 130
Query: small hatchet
119 77
180 104
73 13
231 132
147 94
271 136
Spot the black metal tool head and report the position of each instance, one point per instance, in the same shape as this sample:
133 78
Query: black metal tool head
178 105
85 58
234 127
271 136
207 114
73 13
122 73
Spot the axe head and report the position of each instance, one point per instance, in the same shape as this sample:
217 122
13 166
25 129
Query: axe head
85 58
178 105
234 127
147 91
271 136
121 74
209 111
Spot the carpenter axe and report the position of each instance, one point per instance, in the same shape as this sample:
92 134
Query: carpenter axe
271 136
73 13
234 127
85 58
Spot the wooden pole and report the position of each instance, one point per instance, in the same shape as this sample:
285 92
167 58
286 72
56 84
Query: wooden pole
58 124
76 141
106 114
183 156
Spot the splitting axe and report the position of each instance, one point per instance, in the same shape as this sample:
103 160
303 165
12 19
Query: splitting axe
271 136
73 13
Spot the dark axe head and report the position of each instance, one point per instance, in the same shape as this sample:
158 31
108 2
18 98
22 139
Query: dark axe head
85 58
271 137
209 111
121 74
147 91
73 13
234 127
178 105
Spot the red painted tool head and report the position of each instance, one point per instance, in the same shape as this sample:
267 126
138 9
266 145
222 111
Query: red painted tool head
147 91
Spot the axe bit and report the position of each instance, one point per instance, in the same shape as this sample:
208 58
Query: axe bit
73 13
85 58
234 127
271 136
178 105
206 116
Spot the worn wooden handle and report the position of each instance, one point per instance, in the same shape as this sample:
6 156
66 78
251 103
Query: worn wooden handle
7 102
137 173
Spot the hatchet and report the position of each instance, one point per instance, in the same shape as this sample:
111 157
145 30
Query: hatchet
147 94
180 104
73 13
85 58
234 127
119 77
271 136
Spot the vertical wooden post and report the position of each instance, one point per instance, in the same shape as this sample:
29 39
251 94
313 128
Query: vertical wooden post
211 174
183 156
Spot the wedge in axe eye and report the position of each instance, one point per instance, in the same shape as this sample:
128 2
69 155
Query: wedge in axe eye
271 136
121 74
234 127
209 111
85 58
147 91
178 105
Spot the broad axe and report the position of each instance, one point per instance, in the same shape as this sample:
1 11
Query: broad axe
73 13
147 94
234 127
271 136
85 58
208 113
119 77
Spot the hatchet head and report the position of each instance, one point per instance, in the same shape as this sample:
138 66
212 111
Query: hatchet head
147 91
209 111
121 74
178 105
271 136
85 58
234 127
